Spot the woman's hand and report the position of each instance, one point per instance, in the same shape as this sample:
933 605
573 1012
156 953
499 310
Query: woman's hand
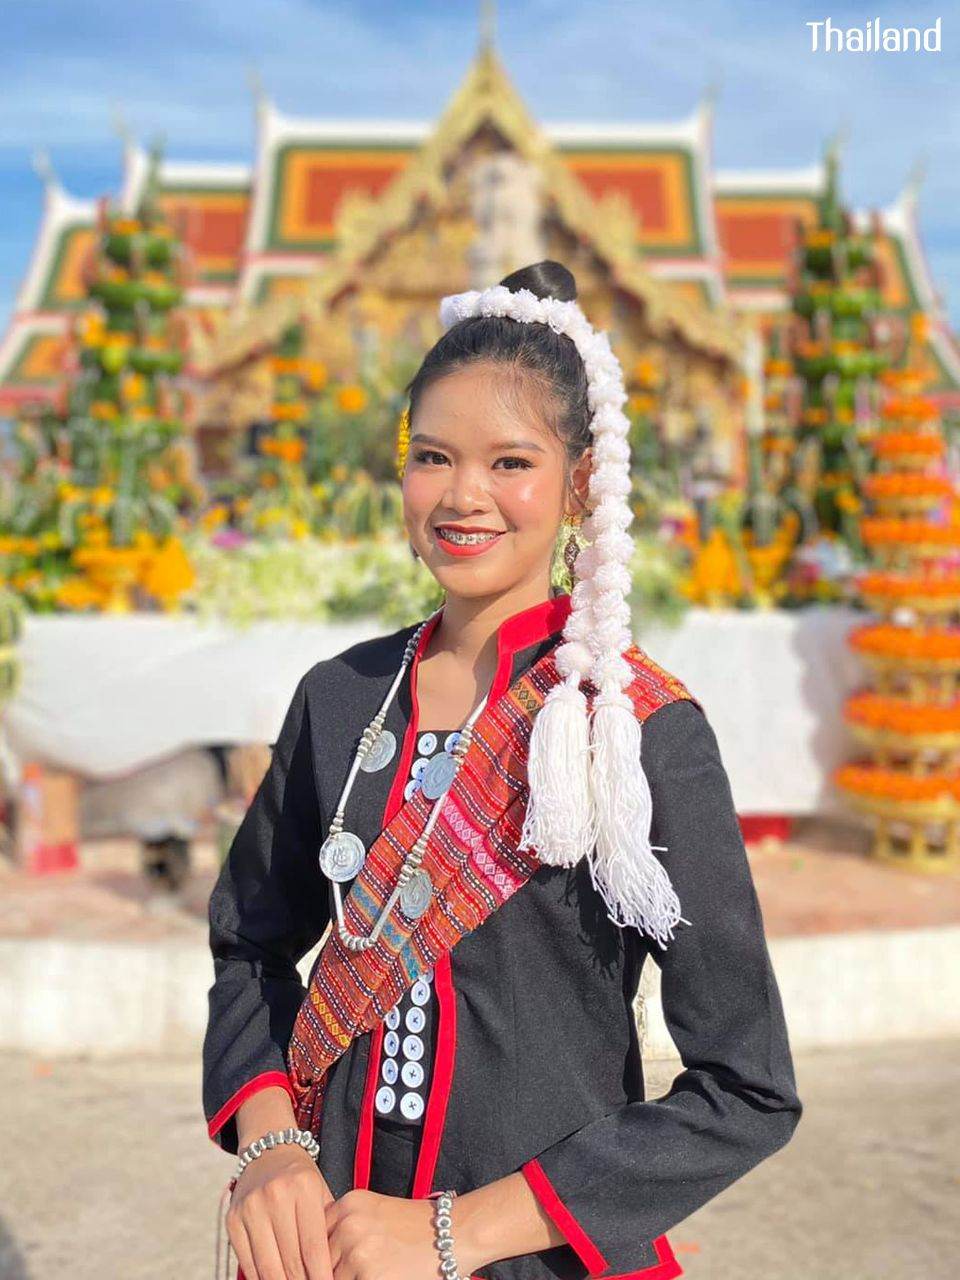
376 1237
276 1218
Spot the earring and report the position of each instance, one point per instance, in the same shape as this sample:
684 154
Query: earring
571 547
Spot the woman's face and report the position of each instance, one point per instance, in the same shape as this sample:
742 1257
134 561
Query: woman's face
482 457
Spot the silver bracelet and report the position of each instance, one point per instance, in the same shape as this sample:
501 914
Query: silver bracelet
275 1138
443 1235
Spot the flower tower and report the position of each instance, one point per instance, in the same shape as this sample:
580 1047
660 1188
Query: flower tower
122 483
909 720
836 352
282 504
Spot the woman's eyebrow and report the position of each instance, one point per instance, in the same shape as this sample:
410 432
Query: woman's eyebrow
422 437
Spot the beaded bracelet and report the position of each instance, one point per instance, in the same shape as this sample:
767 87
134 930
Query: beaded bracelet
275 1138
443 1236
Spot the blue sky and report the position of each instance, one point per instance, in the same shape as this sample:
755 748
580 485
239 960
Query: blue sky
181 69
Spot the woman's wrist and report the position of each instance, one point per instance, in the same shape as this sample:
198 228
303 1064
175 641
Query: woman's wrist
503 1219
267 1109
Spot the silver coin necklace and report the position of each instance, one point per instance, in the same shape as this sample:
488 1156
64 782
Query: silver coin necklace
343 854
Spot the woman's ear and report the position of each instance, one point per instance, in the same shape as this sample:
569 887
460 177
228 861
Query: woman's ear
580 481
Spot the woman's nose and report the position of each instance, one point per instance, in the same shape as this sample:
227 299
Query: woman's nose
465 491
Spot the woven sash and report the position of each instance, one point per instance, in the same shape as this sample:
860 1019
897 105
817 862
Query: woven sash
474 866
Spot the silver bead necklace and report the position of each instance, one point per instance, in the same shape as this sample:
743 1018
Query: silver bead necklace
343 854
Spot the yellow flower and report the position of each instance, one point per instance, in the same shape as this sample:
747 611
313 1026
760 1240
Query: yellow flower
352 399
134 386
339 472
169 572
315 374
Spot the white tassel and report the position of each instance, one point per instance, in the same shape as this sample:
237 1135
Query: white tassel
625 871
560 821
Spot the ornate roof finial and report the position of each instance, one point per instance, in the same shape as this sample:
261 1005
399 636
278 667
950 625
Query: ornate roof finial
255 81
43 168
488 25
120 124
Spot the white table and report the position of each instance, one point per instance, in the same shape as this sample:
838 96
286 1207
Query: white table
102 696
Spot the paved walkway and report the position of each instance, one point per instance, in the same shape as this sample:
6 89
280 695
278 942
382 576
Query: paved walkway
107 1172
822 881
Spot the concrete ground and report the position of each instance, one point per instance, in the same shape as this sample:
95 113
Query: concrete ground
107 1172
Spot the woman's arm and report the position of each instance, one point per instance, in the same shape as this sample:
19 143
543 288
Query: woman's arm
269 906
628 1176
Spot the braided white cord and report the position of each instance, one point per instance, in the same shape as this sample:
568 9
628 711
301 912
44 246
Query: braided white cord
589 796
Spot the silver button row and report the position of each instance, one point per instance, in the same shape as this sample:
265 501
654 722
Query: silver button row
411 1073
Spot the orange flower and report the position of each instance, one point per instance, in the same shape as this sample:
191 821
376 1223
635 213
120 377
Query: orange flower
892 784
901 715
901 444
351 399
906 485
880 531
904 644
914 408
289 411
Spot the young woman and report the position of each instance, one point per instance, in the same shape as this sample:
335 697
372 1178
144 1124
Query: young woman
500 813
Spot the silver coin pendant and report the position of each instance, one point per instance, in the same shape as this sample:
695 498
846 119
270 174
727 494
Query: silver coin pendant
438 775
381 753
416 894
342 856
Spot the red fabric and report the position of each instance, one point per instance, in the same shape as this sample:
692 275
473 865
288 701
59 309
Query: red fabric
442 1079
665 1268
264 1080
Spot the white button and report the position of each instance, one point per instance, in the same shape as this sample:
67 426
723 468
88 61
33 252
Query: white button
393 1018
416 1019
418 766
391 1043
412 1047
428 743
451 741
411 789
389 1070
411 1105
411 1073
427 977
385 1099
420 992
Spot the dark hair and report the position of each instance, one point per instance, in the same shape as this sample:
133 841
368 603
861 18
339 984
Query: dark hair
547 360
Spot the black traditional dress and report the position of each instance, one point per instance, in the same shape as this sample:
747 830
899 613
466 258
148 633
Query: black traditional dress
529 1046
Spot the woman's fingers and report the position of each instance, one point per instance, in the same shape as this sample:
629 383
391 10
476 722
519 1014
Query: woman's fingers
312 1230
283 1218
264 1247
241 1247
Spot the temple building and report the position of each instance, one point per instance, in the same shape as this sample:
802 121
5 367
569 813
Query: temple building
356 230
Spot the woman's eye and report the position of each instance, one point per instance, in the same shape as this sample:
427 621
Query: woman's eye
423 455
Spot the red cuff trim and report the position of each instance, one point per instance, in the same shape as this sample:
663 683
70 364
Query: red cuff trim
665 1268
560 1215
264 1080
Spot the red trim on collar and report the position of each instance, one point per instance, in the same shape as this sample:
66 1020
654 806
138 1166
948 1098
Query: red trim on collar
523 629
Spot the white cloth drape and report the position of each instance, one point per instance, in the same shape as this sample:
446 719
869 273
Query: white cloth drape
102 696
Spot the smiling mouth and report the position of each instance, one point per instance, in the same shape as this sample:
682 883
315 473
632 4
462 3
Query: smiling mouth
459 538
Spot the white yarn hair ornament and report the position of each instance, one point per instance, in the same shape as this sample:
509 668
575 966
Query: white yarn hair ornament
589 797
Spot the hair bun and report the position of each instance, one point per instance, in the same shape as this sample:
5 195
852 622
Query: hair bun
547 279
